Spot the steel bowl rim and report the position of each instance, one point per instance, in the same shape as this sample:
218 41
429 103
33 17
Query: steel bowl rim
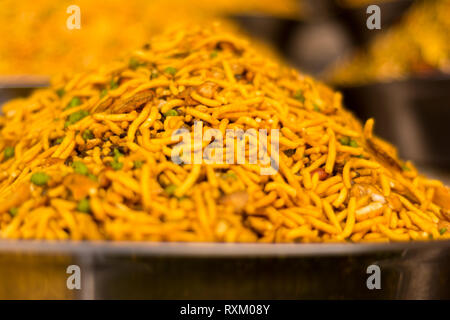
208 249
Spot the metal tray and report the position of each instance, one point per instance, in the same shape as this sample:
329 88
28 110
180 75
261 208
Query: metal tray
37 270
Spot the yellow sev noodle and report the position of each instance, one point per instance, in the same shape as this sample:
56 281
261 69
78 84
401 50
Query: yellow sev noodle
103 140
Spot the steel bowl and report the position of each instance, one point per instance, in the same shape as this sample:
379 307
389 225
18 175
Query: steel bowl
413 114
38 270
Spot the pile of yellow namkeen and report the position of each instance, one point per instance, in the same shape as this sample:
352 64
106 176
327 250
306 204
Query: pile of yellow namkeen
91 157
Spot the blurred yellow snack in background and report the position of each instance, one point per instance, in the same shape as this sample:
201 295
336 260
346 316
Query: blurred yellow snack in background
35 39
419 44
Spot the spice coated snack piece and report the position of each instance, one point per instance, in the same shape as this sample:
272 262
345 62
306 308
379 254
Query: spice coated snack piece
90 157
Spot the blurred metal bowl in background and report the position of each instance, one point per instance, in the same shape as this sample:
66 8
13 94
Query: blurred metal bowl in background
413 114
276 31
20 86
310 46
